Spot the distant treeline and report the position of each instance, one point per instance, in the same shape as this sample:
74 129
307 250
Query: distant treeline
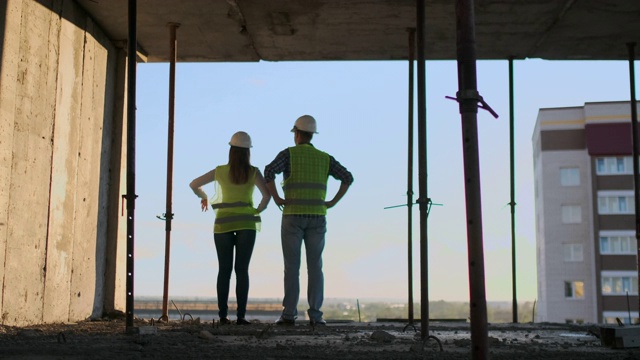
352 309
370 311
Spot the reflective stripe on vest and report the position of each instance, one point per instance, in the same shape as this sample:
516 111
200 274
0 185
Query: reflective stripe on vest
235 218
315 186
230 205
305 202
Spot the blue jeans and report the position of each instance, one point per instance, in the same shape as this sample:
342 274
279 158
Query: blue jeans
243 241
294 231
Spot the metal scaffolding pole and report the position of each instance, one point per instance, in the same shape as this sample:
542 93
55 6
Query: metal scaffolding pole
634 142
468 99
423 199
168 216
412 43
512 203
131 155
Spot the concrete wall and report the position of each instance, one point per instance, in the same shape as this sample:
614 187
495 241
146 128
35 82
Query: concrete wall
58 157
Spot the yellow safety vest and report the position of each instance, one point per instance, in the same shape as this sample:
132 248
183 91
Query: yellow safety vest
306 188
233 203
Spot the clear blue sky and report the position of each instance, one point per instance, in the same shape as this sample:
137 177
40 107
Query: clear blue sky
361 109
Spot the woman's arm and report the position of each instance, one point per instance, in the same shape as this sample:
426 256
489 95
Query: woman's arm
196 186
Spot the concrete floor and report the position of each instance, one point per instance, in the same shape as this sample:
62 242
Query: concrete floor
345 340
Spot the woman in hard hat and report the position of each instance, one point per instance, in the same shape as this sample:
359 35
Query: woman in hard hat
236 220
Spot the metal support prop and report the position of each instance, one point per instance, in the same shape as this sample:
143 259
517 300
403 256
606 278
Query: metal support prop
412 43
513 192
131 154
468 101
169 212
422 172
634 142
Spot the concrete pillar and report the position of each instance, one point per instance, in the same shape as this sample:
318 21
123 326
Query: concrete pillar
87 277
64 170
57 94
31 155
10 14
116 250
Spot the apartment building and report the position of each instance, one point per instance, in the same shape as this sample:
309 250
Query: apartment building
585 222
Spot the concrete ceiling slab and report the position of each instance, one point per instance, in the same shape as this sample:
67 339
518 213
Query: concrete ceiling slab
290 30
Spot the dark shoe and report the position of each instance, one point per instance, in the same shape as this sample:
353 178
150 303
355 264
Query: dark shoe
320 322
242 321
225 321
286 322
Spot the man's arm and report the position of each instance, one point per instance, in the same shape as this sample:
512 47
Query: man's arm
341 191
277 166
271 185
346 179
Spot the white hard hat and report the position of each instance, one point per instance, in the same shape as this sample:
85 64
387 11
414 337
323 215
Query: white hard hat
241 139
305 123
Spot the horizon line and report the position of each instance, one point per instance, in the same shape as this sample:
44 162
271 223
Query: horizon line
302 299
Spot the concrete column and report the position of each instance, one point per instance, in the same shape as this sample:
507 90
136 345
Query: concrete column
114 296
56 127
31 154
87 277
64 182
10 15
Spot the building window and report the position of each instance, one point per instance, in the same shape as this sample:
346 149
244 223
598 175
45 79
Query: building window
571 214
619 285
617 245
574 289
573 252
620 203
612 317
569 176
614 165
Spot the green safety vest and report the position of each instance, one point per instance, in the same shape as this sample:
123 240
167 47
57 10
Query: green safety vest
233 203
306 188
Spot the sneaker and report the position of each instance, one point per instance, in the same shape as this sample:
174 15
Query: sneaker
242 321
285 321
319 322
225 321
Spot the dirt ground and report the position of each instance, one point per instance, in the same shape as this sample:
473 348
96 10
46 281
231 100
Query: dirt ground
193 339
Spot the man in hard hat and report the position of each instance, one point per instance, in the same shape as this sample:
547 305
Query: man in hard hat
305 170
